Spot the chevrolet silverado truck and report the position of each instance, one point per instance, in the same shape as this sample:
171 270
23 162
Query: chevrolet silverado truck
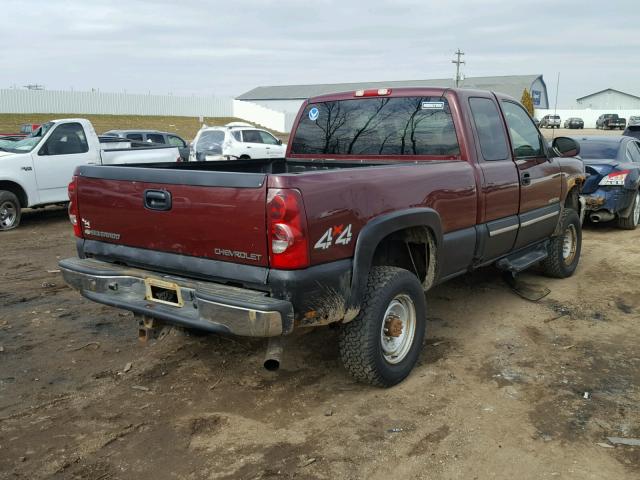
381 195
35 171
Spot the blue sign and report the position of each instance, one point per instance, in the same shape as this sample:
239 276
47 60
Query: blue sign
314 113
536 96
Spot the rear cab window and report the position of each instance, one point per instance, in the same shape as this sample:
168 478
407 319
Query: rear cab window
377 126
488 123
155 138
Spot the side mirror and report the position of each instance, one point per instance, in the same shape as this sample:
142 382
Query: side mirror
566 147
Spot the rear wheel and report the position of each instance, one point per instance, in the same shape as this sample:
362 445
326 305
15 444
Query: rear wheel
564 250
10 211
245 157
382 344
630 222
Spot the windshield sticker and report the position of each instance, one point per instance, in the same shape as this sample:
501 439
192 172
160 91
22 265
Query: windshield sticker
432 105
314 113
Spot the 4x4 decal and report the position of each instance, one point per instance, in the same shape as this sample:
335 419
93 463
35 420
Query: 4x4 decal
341 233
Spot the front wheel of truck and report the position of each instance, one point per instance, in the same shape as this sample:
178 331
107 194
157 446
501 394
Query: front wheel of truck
382 344
10 211
564 249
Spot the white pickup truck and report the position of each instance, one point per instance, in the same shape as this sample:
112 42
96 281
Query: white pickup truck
36 171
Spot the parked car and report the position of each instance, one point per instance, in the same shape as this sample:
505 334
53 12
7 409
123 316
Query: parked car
25 130
140 138
235 140
634 120
574 122
36 170
609 121
632 131
612 189
550 121
382 195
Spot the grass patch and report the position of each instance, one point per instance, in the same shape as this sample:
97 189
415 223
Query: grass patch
186 127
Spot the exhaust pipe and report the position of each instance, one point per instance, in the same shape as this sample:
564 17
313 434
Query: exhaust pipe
274 354
601 216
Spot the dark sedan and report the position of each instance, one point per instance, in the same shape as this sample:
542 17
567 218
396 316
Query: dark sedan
612 188
574 122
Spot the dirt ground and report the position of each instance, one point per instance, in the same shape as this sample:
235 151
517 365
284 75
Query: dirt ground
499 391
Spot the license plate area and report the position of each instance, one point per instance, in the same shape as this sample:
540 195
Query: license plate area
160 291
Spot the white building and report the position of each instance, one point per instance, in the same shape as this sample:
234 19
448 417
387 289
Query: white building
609 99
288 98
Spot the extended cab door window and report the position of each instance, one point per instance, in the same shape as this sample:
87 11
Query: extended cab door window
491 136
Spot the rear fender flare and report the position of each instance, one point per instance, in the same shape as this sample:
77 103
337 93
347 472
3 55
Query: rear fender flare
370 237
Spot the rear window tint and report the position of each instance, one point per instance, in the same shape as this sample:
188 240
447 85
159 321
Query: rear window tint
377 126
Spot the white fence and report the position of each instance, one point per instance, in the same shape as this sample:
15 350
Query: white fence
101 103
587 115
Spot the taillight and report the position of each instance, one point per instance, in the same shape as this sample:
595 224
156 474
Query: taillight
373 92
74 215
287 227
615 178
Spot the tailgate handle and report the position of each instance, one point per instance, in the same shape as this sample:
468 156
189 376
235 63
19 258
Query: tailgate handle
157 200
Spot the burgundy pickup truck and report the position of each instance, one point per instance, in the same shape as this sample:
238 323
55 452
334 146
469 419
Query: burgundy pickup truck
382 195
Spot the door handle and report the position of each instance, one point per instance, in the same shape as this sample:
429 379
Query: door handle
157 200
525 179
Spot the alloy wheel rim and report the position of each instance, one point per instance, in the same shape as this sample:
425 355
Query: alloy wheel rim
569 244
636 210
398 329
8 214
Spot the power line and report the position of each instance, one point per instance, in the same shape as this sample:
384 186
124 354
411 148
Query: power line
458 62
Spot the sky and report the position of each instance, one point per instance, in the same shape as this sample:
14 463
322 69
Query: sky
224 48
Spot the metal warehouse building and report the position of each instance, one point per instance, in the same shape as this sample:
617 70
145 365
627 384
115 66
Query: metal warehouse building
609 99
288 98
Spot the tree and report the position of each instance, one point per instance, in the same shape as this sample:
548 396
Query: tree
527 101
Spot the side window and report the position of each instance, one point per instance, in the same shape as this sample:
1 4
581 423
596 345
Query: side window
525 138
155 138
135 136
268 138
251 136
633 152
66 139
493 142
237 135
176 141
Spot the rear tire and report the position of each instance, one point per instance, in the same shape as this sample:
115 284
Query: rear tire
10 211
372 348
245 157
564 250
630 222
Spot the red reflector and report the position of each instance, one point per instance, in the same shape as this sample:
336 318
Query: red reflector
74 215
287 230
373 92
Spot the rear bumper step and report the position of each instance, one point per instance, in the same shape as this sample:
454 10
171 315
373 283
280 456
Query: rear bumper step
203 305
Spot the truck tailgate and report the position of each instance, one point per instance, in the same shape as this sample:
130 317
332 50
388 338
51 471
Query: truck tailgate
214 215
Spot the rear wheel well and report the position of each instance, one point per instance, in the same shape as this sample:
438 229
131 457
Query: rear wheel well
412 249
17 190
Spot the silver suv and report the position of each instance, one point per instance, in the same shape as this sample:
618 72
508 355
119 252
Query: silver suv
552 121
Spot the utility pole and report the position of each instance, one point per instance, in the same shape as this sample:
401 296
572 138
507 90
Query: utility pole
458 62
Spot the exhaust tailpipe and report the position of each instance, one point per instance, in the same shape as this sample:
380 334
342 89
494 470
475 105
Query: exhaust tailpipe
274 354
602 216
